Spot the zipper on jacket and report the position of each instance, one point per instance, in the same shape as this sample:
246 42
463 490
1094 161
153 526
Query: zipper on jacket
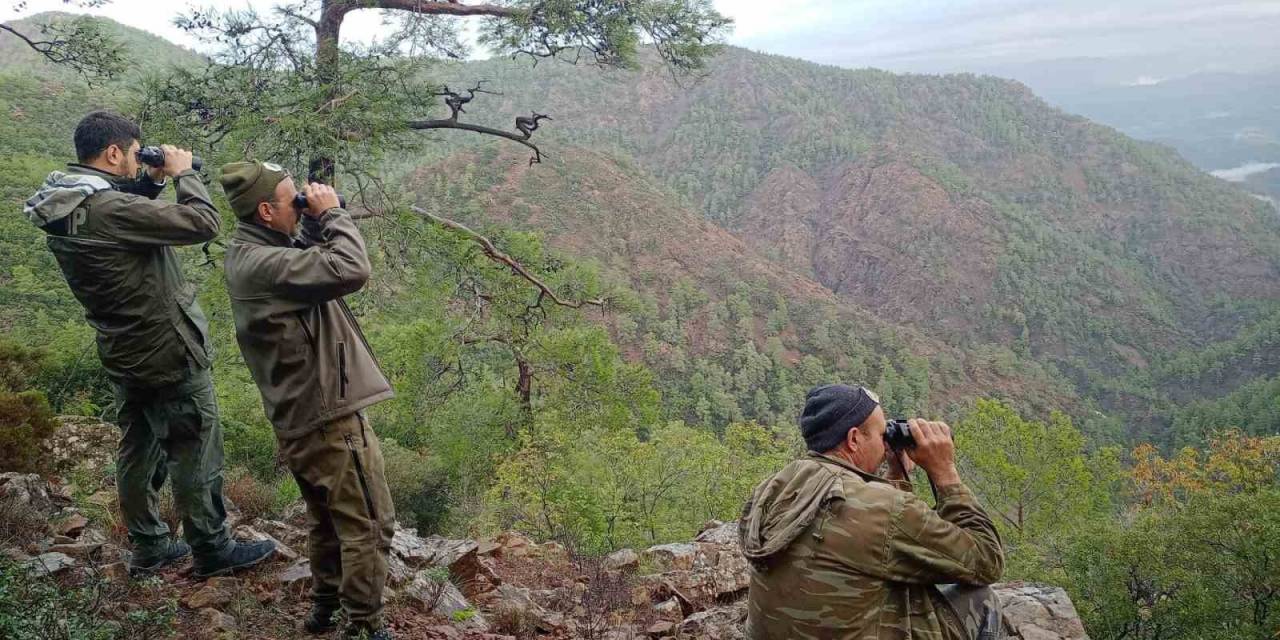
311 341
342 370
364 484
359 332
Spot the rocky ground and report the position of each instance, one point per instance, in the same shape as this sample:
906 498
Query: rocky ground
505 587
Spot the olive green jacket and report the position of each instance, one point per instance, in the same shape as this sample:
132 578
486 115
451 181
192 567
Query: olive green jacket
115 250
837 553
299 338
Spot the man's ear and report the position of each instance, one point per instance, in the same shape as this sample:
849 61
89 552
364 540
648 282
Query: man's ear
264 212
849 439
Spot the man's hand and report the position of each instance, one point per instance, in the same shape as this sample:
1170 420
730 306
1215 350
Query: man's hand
320 198
934 451
175 160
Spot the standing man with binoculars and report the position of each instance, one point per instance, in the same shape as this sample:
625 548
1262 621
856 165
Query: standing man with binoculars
316 374
114 243
839 552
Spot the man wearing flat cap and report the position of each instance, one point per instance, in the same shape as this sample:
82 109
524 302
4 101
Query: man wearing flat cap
316 374
840 552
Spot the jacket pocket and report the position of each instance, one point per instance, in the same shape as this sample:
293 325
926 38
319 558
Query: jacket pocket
195 327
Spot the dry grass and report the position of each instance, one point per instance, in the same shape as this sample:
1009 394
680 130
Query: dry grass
20 525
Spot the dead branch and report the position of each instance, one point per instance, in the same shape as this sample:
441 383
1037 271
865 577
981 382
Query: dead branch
450 123
498 255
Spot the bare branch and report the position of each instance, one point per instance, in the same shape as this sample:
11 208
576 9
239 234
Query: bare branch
454 124
498 255
435 7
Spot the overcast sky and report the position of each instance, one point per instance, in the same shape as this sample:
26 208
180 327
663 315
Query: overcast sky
1167 37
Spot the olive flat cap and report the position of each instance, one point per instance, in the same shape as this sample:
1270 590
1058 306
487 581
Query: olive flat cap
248 184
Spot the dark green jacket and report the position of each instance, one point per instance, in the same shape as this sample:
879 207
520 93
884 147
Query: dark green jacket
839 554
301 342
116 252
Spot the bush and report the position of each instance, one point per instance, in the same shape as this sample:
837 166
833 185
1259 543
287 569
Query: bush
39 608
252 446
25 422
253 497
418 486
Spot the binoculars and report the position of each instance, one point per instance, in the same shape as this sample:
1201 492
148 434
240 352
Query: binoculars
300 201
154 157
897 434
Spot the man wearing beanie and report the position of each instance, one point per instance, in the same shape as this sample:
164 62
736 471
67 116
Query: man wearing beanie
316 374
839 552
114 242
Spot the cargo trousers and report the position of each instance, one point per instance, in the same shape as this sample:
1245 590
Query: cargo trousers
977 610
172 432
339 470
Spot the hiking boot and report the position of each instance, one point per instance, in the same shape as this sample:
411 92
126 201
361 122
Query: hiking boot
358 631
320 621
239 555
152 558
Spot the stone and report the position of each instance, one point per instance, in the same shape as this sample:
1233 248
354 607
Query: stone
1038 612
720 623
293 536
103 499
27 489
217 621
719 533
672 557
51 563
621 560
488 548
298 571
115 572
442 598
246 532
212 594
519 600
514 544
669 610
79 551
70 525
660 629
553 552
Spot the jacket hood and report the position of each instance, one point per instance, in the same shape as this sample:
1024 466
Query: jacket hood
782 507
60 194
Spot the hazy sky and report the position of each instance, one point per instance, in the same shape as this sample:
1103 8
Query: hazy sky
1173 36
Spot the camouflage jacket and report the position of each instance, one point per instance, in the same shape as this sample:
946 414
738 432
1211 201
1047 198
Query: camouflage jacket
837 553
116 253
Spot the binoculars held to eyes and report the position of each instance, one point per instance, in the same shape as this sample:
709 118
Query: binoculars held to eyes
300 201
897 434
154 157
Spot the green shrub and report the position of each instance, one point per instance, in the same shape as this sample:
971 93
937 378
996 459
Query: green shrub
418 486
25 422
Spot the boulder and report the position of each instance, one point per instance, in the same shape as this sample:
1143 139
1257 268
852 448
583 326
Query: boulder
517 602
717 532
82 442
27 489
1038 612
620 560
461 557
720 623
677 556
514 544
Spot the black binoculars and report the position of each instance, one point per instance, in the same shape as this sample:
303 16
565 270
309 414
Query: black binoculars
154 157
300 201
897 434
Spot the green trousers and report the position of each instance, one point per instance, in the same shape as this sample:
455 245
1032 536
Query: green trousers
172 432
339 470
978 610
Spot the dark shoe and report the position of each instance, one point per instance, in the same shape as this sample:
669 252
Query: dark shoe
153 558
240 555
320 621
358 631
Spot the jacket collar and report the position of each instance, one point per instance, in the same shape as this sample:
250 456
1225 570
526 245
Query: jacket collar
869 477
86 170
254 233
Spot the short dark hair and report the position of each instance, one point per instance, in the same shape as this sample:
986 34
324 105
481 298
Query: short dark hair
101 129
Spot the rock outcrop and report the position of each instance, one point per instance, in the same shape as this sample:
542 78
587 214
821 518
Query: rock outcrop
464 589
